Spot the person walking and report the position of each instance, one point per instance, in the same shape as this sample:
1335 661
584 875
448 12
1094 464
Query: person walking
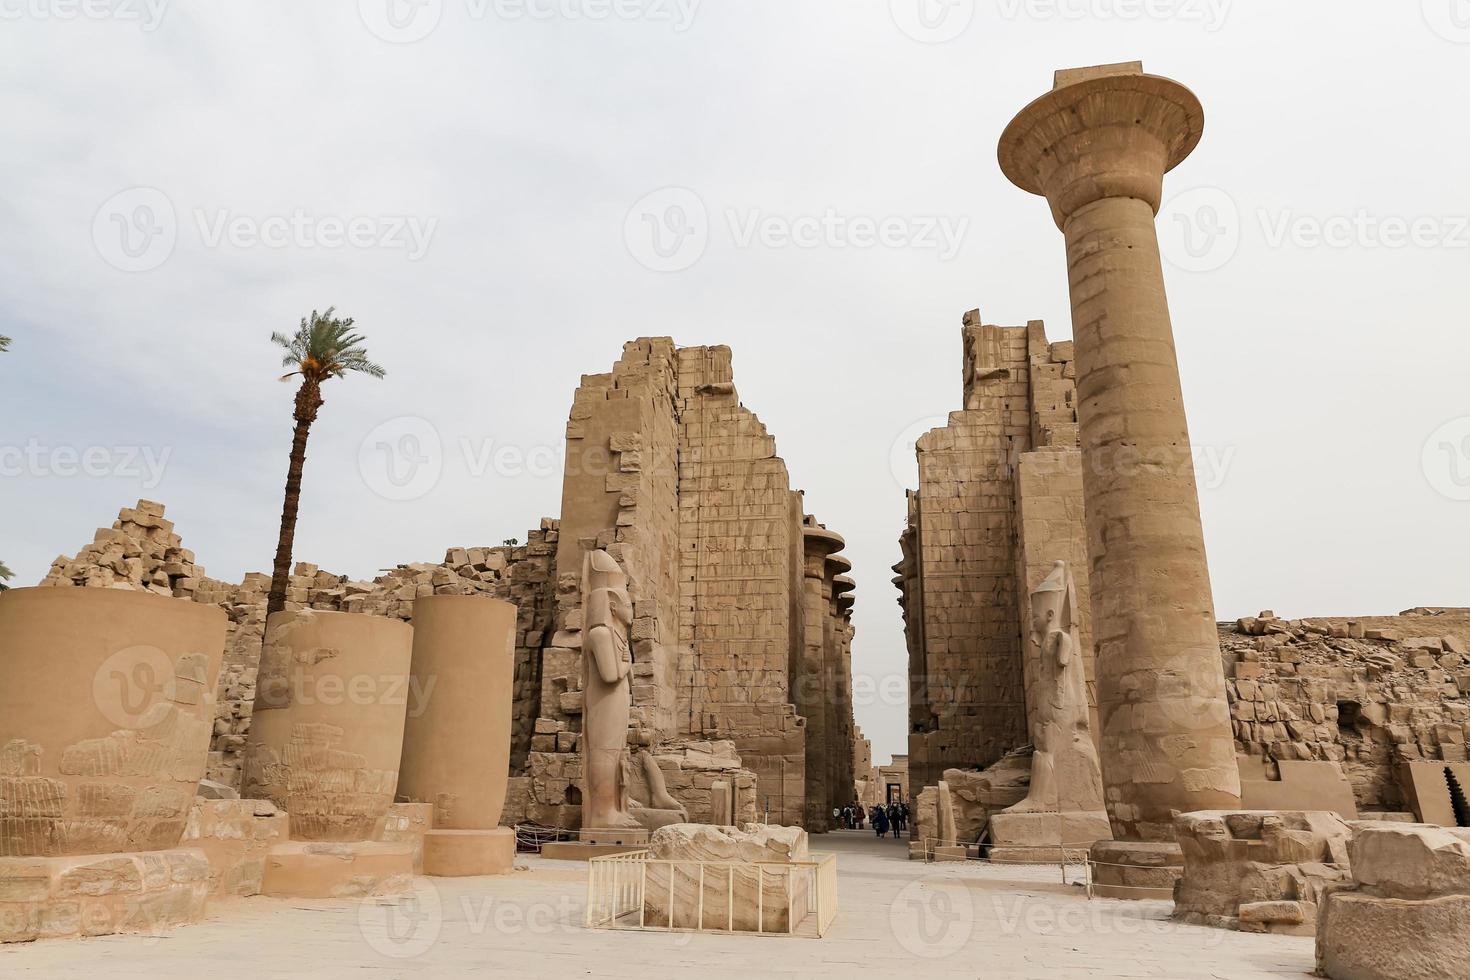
880 822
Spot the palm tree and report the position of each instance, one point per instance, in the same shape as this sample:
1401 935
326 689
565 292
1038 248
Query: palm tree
4 343
322 347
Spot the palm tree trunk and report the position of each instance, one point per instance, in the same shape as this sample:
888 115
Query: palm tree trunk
308 400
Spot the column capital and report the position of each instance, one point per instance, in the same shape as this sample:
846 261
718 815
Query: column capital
1108 131
817 543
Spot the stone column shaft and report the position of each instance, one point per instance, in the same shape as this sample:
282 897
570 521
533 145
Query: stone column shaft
1098 147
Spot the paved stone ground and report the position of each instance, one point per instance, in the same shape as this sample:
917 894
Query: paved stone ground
898 919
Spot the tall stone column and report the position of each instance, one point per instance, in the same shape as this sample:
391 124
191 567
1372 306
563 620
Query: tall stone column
812 684
846 783
1097 146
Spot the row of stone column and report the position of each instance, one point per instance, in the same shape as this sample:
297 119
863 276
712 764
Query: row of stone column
822 688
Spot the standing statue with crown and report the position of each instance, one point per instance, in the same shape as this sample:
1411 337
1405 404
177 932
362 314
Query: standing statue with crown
607 613
1065 802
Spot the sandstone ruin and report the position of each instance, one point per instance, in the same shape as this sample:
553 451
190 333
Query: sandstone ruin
1240 741
664 671
740 629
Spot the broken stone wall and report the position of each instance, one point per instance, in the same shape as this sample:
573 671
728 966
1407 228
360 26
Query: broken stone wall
999 500
669 472
735 531
1373 693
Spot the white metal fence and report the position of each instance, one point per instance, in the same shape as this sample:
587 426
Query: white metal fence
635 890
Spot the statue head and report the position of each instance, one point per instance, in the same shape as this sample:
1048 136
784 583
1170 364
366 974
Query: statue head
1051 601
601 570
605 590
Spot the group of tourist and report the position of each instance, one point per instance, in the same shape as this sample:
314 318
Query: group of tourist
893 817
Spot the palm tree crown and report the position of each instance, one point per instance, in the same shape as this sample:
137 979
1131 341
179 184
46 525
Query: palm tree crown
4 343
325 347
322 347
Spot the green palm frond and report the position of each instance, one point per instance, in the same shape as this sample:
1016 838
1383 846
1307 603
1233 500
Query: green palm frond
325 347
4 343
5 575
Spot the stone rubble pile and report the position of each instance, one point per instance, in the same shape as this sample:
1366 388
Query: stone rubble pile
140 551
1259 871
1369 693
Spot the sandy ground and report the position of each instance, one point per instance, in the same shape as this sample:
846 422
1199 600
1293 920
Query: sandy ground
897 918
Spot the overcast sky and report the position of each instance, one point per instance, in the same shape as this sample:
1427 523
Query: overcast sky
502 193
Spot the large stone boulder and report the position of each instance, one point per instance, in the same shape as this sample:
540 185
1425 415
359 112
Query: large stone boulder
754 865
1408 915
976 796
1413 861
1259 871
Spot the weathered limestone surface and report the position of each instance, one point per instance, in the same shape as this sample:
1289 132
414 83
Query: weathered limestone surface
1097 147
234 836
408 823
758 852
1374 694
1409 913
978 796
1064 803
864 774
999 502
456 743
142 552
1299 786
327 734
673 476
1259 871
101 894
105 704
338 869
735 636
